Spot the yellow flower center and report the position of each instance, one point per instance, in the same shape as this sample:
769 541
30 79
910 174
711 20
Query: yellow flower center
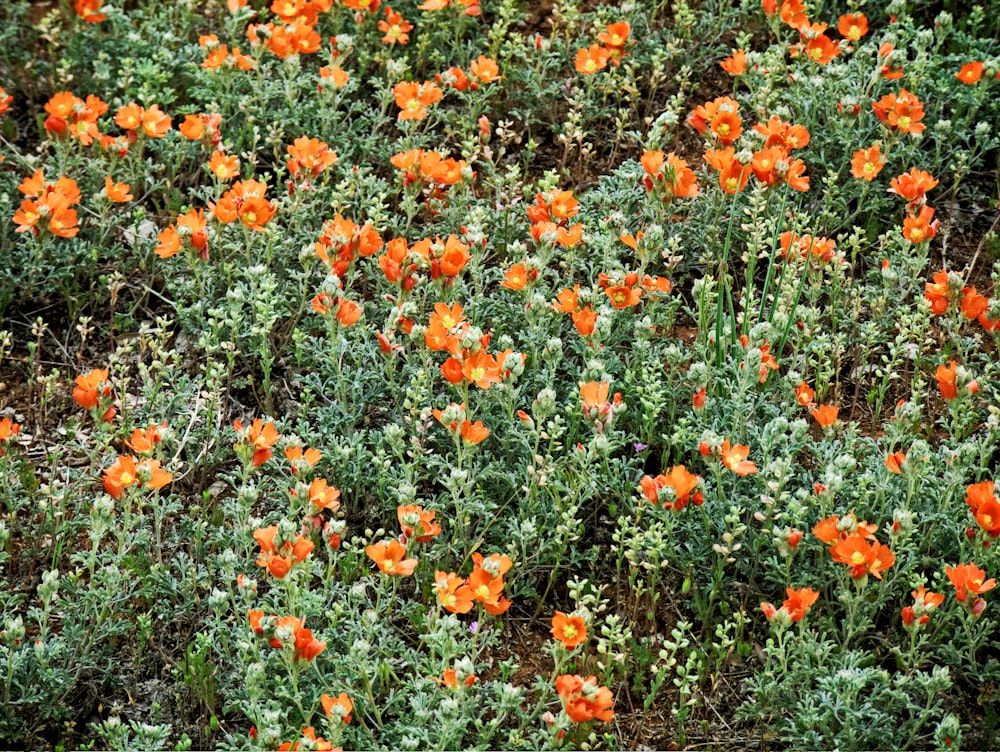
869 167
250 217
569 631
127 478
723 129
477 373
857 558
591 66
904 121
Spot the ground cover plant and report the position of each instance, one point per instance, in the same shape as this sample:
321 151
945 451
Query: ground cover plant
499 374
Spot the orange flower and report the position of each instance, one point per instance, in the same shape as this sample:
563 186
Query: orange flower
486 587
481 369
925 602
244 201
485 70
946 376
389 556
882 559
569 630
736 64
798 602
854 551
452 592
255 212
735 458
866 164
977 494
783 134
515 278
155 123
885 53
591 59
922 227
680 481
87 10
583 699
260 437
988 516
348 312
417 522
974 305
310 156
615 38
145 441
455 257
223 167
821 49
567 301
726 126
895 462
969 579
449 678
292 551
913 185
938 292
827 531
307 647
624 296
302 460
825 415
336 75
395 28
8 431
474 433
853 26
594 396
733 176
91 390
901 113
656 285
338 708
863 557
5 100
413 99
672 180
584 321
804 394
321 494
124 473
129 117
564 205
970 73
117 193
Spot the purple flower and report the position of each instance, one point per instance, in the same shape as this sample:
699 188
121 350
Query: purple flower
639 446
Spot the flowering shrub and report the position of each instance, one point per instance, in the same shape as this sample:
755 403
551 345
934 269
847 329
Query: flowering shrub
476 374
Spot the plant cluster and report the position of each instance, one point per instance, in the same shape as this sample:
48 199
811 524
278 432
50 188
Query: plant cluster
471 373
